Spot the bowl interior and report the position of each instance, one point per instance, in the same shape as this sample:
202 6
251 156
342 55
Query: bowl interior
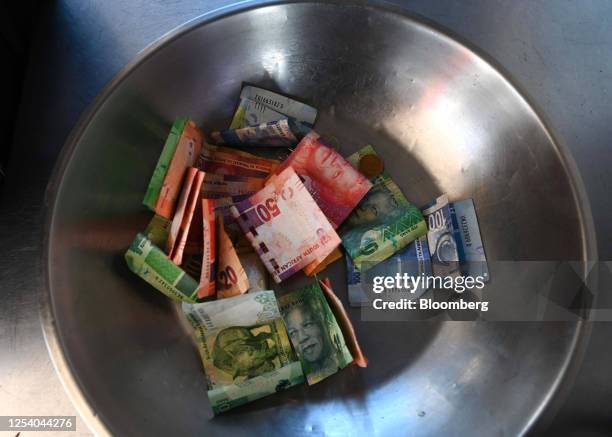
444 122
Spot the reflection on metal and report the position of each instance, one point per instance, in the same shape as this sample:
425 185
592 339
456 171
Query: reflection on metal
443 120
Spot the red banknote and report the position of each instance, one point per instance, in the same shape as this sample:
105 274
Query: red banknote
335 185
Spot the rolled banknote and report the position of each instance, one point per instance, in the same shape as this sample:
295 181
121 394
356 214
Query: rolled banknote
207 287
285 226
258 105
183 216
193 252
346 326
179 153
335 185
157 230
469 245
442 236
152 265
220 185
244 347
314 333
226 161
413 260
384 222
231 278
281 133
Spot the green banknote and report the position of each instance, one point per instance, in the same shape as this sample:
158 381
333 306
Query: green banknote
163 162
152 265
244 347
383 222
157 230
314 333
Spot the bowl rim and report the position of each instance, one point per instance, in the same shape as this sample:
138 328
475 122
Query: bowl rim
74 388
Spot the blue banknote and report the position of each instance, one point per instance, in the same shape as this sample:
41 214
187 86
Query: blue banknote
469 242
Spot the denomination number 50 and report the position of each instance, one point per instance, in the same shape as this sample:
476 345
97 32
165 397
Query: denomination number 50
268 209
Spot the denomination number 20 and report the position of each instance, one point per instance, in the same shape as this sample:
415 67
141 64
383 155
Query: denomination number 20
228 277
267 210
436 220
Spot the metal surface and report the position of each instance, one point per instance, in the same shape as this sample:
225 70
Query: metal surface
445 122
558 54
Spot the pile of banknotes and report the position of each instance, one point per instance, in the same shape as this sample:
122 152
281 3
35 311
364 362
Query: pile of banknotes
229 217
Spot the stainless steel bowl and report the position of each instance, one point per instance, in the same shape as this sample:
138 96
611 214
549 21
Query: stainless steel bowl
444 120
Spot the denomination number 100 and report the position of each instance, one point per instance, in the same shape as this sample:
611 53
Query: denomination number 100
436 220
267 210
228 277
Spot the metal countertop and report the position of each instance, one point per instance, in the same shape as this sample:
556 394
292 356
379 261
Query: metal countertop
557 51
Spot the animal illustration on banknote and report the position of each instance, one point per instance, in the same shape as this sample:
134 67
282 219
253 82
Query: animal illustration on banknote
245 351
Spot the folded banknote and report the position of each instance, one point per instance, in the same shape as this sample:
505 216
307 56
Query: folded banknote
469 244
228 161
180 152
280 133
384 222
244 347
285 226
442 237
151 264
314 333
333 182
157 230
258 105
231 278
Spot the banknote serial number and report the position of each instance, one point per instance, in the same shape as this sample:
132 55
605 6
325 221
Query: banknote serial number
38 423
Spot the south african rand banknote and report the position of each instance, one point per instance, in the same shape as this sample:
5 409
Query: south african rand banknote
314 333
469 245
256 272
281 133
231 278
228 161
157 230
220 185
223 207
384 222
442 237
244 347
285 226
152 193
151 264
334 183
180 152
183 216
413 260
258 106
207 287
346 326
